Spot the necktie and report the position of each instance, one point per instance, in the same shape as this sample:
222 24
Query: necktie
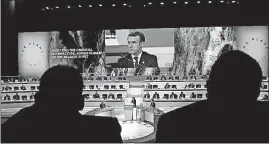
136 62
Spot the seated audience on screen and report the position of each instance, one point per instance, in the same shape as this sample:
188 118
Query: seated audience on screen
7 97
172 95
152 103
182 95
96 95
156 95
106 87
7 88
98 78
104 96
231 112
166 96
204 77
149 77
193 96
137 58
147 95
23 87
55 116
24 97
149 86
102 105
111 95
91 78
167 86
185 78
91 86
191 85
163 77
263 86
265 97
86 96
175 96
119 96
193 77
16 97
32 95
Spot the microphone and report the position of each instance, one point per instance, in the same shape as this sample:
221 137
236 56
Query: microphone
124 56
140 65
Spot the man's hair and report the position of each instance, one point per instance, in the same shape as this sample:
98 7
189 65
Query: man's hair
136 33
61 86
236 74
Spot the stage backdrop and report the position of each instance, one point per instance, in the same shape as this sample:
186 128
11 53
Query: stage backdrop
191 51
33 53
253 40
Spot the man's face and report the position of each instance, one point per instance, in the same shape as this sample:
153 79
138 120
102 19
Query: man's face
135 45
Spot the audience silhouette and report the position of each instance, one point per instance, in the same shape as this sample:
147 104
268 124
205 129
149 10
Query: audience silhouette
55 117
230 114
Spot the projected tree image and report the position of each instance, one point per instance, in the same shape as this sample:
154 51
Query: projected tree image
196 49
93 41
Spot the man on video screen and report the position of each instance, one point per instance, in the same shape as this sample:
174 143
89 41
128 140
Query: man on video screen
136 57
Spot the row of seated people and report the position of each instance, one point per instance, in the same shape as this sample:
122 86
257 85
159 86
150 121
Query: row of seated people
105 87
17 88
192 77
174 96
19 80
103 79
17 97
104 96
168 86
25 80
183 96
191 85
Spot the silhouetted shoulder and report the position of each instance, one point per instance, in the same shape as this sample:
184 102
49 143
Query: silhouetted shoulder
185 111
107 129
174 125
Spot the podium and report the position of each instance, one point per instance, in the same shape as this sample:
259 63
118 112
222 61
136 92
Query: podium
128 111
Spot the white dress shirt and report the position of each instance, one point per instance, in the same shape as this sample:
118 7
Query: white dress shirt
139 57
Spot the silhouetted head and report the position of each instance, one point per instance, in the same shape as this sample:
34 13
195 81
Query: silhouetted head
235 78
61 89
133 98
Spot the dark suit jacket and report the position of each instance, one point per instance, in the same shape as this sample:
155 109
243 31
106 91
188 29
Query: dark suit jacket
134 103
146 60
199 122
29 125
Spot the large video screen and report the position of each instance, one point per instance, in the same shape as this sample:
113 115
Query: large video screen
138 52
